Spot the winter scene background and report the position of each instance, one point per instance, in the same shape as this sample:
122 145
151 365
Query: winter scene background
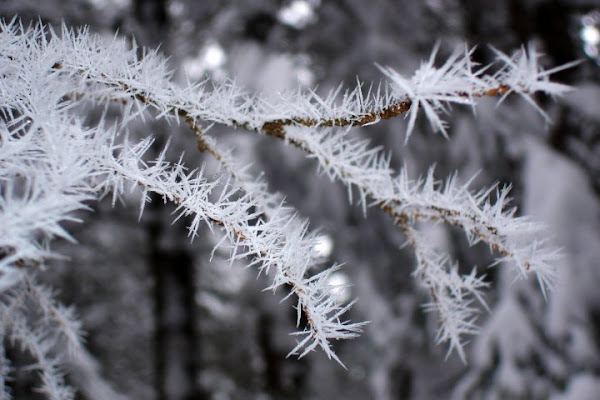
157 315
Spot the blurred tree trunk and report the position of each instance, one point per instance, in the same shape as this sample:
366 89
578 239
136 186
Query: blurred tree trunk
176 353
153 20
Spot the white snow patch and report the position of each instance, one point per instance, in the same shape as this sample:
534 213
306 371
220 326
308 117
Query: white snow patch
559 194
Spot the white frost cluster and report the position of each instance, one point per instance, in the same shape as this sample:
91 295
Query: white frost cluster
52 163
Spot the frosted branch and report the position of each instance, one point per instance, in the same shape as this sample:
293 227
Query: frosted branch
52 164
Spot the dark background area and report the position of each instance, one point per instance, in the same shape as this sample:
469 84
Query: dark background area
165 323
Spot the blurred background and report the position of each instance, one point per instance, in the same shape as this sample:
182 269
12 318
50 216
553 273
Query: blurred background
163 322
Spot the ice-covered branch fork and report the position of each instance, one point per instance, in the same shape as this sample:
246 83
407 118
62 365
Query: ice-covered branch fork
51 163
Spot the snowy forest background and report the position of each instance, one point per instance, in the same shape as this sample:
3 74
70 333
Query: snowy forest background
163 322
